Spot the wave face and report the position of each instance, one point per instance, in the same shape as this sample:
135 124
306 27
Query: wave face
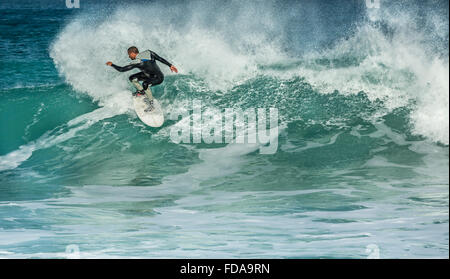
362 159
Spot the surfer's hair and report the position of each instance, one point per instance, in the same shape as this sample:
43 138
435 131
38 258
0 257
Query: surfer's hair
133 49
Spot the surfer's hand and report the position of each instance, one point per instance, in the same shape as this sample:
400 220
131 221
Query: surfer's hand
173 69
109 63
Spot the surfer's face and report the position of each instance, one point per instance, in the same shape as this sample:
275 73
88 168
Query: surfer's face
132 55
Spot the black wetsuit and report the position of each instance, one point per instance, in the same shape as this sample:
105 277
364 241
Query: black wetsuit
150 74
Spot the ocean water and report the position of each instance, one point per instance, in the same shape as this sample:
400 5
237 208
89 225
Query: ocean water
362 161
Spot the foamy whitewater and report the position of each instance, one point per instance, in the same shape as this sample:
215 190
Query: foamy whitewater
362 161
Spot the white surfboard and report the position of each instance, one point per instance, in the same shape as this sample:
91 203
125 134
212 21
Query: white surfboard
151 114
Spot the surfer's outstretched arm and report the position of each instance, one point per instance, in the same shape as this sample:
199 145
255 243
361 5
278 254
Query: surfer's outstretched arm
124 68
162 60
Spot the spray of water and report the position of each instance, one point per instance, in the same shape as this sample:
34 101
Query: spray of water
388 56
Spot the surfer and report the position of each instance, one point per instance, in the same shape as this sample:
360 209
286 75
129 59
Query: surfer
145 61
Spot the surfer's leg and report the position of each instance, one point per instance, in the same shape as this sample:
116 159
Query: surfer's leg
137 84
136 78
145 84
156 79
152 81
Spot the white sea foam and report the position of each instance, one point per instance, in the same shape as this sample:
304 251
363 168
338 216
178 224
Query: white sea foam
397 66
402 69
82 48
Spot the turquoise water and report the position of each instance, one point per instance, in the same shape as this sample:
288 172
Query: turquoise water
362 156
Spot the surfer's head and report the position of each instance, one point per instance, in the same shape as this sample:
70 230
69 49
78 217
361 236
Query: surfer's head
132 52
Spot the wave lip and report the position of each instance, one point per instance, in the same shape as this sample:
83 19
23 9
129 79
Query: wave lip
389 55
402 68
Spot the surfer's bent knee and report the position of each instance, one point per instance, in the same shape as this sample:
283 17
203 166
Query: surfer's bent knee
159 80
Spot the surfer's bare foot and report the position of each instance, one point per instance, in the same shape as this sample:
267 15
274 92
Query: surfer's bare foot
139 93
